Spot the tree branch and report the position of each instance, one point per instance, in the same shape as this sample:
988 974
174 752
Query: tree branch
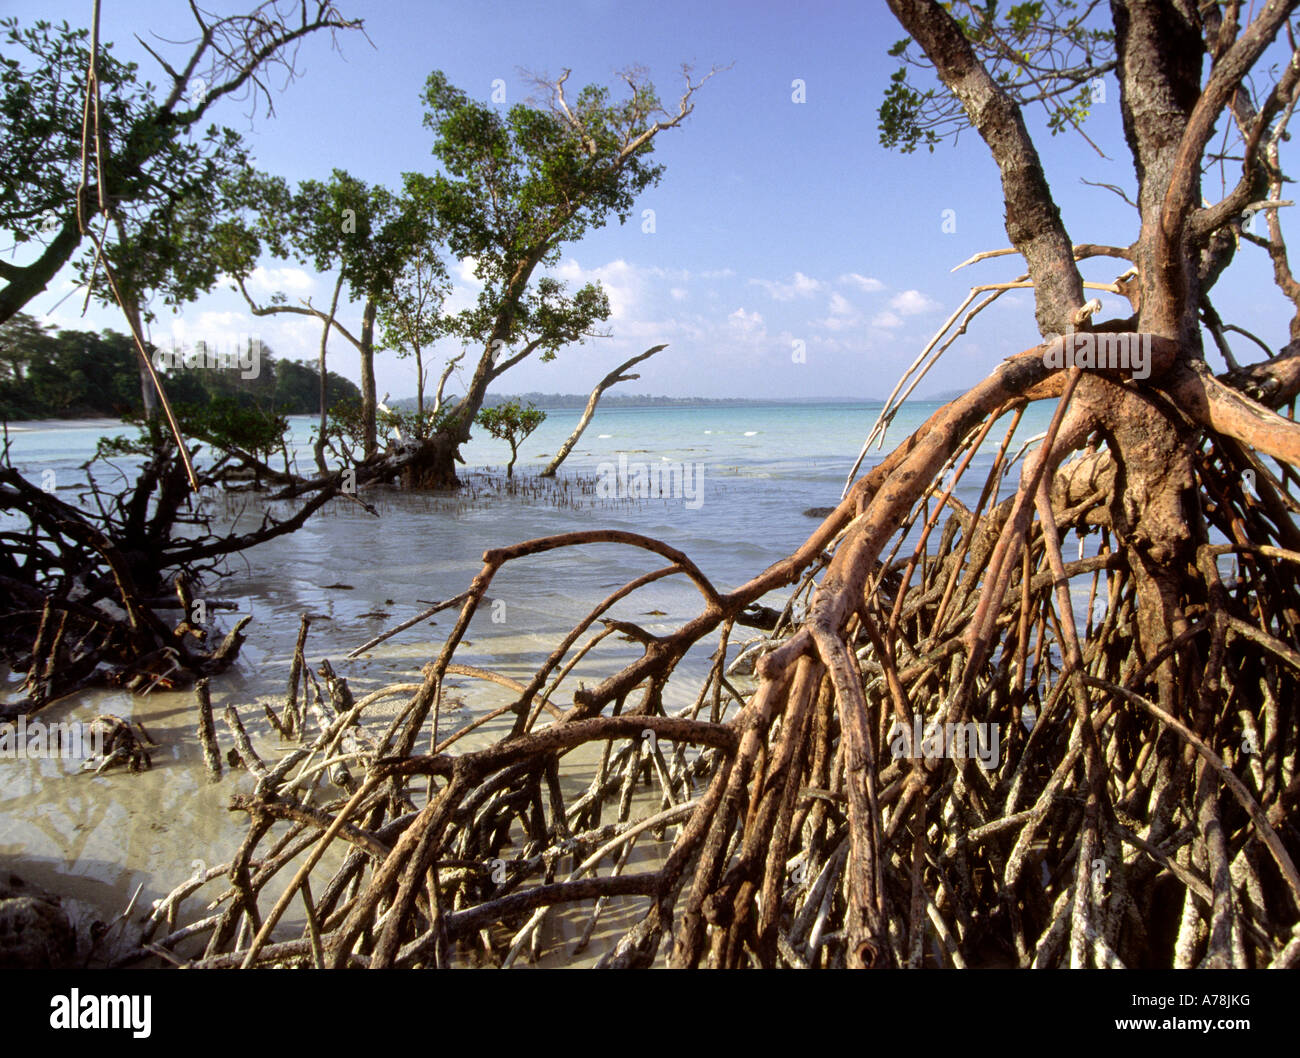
1033 220
1168 256
614 377
307 309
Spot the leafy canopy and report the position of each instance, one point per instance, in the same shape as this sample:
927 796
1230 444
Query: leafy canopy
1046 53
144 177
512 423
515 187
366 233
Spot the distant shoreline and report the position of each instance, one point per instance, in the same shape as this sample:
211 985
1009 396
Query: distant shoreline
577 401
546 402
26 425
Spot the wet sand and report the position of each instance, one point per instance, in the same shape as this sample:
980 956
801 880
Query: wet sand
95 839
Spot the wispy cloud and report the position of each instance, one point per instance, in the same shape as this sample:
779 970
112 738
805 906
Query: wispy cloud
623 283
864 283
913 303
747 324
844 315
464 270
799 286
288 279
221 330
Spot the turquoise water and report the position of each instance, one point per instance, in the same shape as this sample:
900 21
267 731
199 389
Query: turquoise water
99 838
758 467
761 466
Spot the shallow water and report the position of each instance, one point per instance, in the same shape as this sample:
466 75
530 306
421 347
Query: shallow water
98 838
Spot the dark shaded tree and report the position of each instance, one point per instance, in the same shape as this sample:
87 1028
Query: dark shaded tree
143 150
364 234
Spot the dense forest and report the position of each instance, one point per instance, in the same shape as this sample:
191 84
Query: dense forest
74 374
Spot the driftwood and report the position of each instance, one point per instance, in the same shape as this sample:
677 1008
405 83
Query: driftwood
448 368
614 377
823 814
207 732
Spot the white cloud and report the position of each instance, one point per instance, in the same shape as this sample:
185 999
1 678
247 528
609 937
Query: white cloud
623 283
913 303
747 324
840 306
678 293
72 322
210 321
219 329
800 286
844 315
297 337
866 283
685 275
465 271
287 279
886 320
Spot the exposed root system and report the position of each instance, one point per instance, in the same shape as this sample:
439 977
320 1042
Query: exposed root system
959 747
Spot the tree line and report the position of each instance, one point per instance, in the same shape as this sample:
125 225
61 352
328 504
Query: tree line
46 374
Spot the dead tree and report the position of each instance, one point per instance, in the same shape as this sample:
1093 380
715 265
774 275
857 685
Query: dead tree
230 56
611 379
448 368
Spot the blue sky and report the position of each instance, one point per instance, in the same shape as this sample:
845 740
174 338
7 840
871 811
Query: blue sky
776 222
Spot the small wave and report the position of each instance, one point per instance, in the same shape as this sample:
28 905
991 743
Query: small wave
604 436
750 433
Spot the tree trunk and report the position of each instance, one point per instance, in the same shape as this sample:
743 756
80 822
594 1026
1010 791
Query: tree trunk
368 396
442 382
457 432
440 472
419 390
148 391
613 377
324 379
433 466
1032 218
148 394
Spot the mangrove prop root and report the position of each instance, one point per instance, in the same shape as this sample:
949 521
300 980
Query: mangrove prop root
939 760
